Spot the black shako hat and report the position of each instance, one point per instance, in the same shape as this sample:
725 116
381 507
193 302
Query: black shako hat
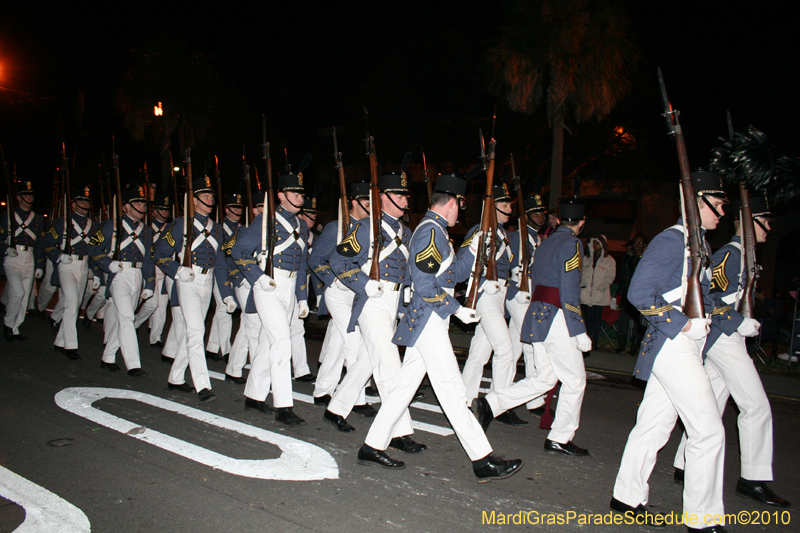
571 209
359 190
233 200
162 202
500 192
533 204
310 205
82 193
394 182
452 184
202 185
759 206
707 183
291 182
134 193
25 187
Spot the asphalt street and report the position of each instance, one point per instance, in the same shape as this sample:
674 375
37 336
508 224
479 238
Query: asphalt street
82 447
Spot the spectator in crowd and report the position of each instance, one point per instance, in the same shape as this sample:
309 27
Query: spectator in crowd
628 313
599 270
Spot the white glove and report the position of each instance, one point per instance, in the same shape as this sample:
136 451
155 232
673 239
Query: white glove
11 252
230 303
303 308
146 294
39 273
95 283
749 327
475 242
101 292
584 342
374 289
698 328
64 259
115 267
491 287
523 297
467 315
185 274
266 283
514 275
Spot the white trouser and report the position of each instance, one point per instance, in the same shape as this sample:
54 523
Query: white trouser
732 373
271 364
189 321
531 352
219 338
340 305
96 304
89 292
563 362
171 344
46 290
432 353
19 276
73 282
491 334
678 386
154 309
377 356
297 330
125 291
246 340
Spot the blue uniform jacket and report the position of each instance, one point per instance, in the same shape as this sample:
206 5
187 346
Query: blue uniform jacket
319 259
352 254
660 273
558 266
726 270
513 243
504 254
25 234
101 252
53 237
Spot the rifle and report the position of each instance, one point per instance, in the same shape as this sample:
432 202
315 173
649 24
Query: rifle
427 178
218 186
100 185
117 234
268 236
188 212
248 215
524 259
55 204
485 258
693 306
11 202
175 198
66 244
344 202
374 204
147 190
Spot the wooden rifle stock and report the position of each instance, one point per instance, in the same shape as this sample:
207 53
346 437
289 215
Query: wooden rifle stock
751 268
485 258
344 212
148 217
220 199
268 236
188 220
248 215
117 203
525 258
427 177
376 213
66 245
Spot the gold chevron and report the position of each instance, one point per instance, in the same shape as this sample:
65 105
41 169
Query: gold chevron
656 311
169 237
97 238
352 241
576 310
431 252
720 280
53 232
435 299
468 240
575 261
721 310
349 273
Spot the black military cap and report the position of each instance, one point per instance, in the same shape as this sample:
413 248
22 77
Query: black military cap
359 189
233 200
162 202
759 206
133 194
394 182
707 183
452 184
291 182
202 185
25 187
500 192
533 204
82 193
310 205
571 209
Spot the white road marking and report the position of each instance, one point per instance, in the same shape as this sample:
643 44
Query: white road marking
300 461
45 512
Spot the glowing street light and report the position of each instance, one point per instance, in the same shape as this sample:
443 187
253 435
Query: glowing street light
158 110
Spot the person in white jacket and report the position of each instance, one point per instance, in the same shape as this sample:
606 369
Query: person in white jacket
599 270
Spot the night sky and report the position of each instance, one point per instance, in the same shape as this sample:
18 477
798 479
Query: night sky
417 66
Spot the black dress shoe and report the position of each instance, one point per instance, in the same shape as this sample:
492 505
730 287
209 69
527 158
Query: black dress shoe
368 456
206 396
54 325
566 449
483 412
8 333
59 349
183 387
510 418
213 356
111 367
19 337
136 373
677 477
407 445
322 401
87 322
157 344
72 355
418 396
337 421
41 314
371 391
168 360
365 410
250 403
497 468
650 519
308 378
240 380
760 492
285 415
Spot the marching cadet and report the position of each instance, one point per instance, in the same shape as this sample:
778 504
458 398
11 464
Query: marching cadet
554 320
375 306
730 368
192 288
671 361
300 369
127 274
219 338
337 298
434 271
275 298
72 270
491 333
21 262
155 308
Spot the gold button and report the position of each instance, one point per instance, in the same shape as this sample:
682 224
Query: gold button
660 314
669 320
652 307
